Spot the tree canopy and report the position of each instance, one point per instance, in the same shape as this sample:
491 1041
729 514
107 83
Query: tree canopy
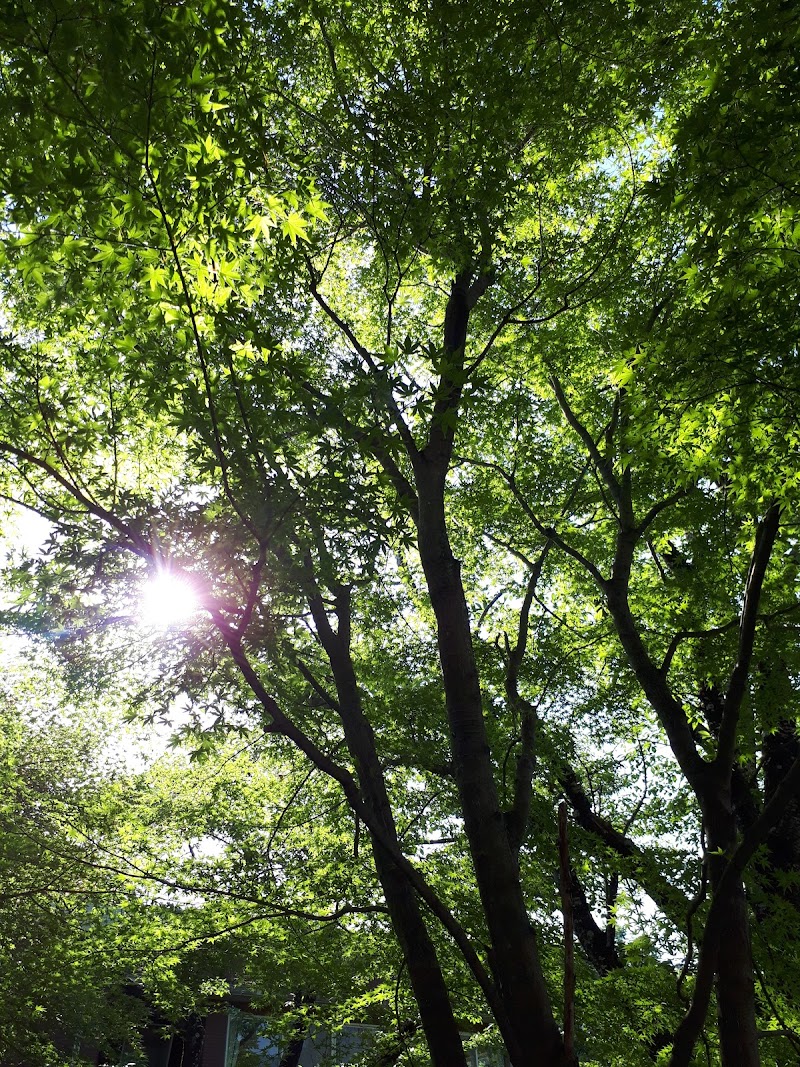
449 354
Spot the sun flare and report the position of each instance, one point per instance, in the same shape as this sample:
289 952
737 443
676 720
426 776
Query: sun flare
167 600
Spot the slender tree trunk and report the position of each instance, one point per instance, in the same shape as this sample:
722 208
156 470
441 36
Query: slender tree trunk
529 1029
535 1038
728 953
569 936
427 982
187 1044
735 982
290 1057
419 953
738 1033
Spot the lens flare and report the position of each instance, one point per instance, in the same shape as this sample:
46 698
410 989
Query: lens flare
167 600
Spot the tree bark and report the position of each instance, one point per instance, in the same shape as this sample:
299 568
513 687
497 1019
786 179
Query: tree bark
294 1049
672 902
569 936
735 983
515 958
419 953
600 952
529 1031
187 1044
711 781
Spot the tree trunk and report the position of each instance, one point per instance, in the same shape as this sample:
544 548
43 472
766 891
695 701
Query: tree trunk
534 1038
427 981
729 953
735 982
528 1028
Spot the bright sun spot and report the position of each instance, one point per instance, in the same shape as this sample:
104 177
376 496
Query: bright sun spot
167 599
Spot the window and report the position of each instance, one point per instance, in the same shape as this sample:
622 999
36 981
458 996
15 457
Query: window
251 1042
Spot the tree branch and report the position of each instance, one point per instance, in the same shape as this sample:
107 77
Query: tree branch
765 541
375 447
391 404
662 505
133 541
601 463
686 635
603 956
692 1023
517 817
646 869
667 707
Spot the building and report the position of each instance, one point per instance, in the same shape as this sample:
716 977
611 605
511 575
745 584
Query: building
236 1037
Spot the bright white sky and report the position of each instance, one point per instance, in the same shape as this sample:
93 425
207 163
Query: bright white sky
29 530
166 599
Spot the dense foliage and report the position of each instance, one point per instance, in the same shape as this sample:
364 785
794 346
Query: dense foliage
449 352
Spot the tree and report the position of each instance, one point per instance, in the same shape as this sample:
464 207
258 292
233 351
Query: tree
376 326
132 897
72 934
